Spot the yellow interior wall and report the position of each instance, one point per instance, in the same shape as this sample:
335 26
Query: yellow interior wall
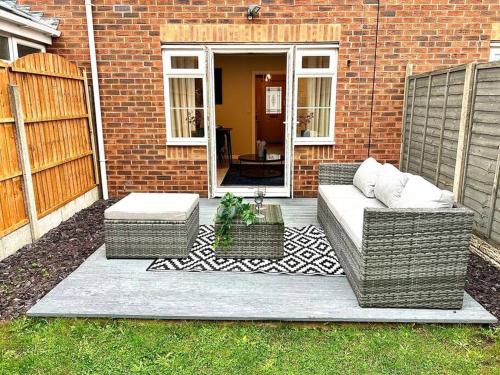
236 109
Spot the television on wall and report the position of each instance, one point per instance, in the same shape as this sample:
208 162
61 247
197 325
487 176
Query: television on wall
218 85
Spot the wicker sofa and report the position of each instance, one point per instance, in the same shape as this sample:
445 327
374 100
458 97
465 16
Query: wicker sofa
414 258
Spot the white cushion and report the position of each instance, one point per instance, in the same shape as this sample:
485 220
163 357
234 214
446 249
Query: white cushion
390 184
420 193
366 177
340 191
153 206
352 223
347 204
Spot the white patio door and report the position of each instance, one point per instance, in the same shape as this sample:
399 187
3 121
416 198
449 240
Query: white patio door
272 191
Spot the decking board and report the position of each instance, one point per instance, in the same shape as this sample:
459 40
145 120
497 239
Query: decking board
121 288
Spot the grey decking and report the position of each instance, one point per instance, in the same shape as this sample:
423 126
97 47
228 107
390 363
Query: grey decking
123 288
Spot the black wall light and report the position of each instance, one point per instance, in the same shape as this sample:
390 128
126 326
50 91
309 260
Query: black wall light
252 11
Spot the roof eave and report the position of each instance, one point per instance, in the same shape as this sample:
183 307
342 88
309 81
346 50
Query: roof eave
18 20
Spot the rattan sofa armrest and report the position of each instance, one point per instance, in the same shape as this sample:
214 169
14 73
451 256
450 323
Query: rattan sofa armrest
337 173
413 229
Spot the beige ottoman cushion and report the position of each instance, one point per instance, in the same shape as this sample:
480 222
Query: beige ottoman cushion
153 206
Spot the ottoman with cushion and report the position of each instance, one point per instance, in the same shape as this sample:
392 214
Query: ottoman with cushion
152 225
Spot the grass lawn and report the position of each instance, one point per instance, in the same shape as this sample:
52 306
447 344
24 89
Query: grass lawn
70 346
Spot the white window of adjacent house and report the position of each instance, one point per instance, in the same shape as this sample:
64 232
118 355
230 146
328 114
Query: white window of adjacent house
315 86
185 96
12 48
495 51
23 48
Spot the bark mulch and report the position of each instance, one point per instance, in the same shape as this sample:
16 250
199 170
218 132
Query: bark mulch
483 283
34 270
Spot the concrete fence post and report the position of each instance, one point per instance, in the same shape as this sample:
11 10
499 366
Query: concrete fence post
463 132
24 160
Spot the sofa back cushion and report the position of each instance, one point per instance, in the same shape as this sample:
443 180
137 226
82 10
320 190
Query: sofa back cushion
420 193
366 177
390 184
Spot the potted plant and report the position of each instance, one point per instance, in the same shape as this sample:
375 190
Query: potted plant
231 208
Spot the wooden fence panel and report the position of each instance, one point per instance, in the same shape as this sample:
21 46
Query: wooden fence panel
452 116
438 119
483 153
12 207
53 100
431 125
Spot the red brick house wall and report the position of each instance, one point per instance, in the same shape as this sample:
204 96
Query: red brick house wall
428 34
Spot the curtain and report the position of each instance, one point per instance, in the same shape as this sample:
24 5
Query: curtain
316 96
182 107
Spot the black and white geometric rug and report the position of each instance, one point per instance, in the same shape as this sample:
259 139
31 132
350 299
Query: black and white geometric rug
307 252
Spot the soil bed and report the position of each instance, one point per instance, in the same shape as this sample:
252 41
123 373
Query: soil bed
483 284
33 271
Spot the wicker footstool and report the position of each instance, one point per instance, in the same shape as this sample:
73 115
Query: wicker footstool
152 225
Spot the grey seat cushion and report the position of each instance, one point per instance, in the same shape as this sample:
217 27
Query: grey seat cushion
347 204
153 206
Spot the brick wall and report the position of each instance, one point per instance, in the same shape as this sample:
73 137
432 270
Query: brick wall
429 35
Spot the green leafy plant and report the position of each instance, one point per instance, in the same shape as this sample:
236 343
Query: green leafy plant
230 208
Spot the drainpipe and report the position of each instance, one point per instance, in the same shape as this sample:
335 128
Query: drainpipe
97 99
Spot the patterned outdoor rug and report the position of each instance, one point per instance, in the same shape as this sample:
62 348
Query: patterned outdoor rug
307 252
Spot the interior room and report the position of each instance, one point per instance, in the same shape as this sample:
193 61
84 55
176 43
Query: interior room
250 110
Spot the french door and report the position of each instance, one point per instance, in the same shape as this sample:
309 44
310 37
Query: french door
272 191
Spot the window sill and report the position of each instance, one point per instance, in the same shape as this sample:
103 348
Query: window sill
313 142
190 142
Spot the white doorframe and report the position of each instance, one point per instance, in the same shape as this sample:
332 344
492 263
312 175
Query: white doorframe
255 73
286 190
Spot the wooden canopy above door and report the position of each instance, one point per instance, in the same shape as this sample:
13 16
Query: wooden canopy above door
234 33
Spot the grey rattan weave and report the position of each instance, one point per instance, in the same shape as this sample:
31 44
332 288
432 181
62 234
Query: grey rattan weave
415 258
151 238
262 240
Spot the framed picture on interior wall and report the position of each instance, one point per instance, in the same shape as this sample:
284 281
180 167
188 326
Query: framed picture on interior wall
218 85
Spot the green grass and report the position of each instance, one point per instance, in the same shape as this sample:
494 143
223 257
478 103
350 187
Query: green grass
79 346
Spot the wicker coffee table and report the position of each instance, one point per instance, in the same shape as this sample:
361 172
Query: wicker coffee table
262 240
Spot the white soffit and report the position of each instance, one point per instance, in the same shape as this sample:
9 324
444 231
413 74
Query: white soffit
20 21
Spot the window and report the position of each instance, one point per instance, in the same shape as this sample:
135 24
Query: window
23 48
315 95
495 51
12 48
185 99
4 48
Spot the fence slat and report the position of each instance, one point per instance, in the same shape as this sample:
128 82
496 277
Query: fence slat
424 131
408 73
441 134
91 128
12 206
411 123
493 197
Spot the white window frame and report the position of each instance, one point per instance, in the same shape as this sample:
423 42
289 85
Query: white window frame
17 41
168 72
494 50
11 46
330 72
14 41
